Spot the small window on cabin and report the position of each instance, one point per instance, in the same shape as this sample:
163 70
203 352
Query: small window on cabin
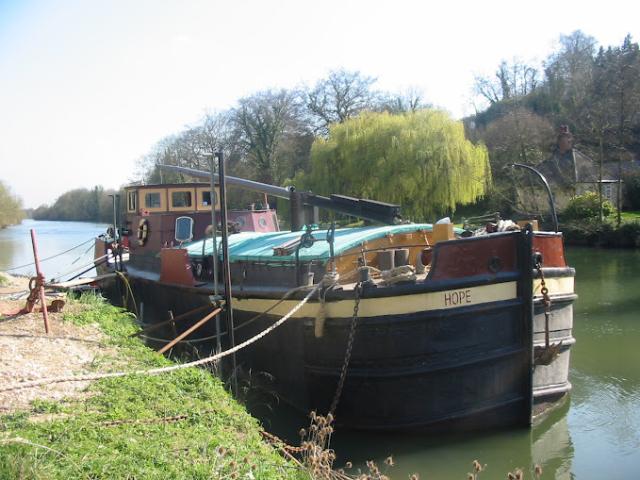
152 200
184 229
132 201
180 199
206 199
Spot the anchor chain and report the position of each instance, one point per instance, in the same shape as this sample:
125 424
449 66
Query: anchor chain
347 355
545 355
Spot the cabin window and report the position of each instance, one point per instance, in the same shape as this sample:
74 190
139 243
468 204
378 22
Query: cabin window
205 201
152 200
184 229
181 199
132 201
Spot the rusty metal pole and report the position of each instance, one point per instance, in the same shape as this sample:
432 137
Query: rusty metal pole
190 330
43 302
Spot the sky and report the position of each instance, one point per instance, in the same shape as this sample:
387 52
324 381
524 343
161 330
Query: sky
88 87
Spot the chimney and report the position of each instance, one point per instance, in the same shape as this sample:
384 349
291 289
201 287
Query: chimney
565 140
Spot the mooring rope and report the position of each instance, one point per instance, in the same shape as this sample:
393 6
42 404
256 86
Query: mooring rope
157 371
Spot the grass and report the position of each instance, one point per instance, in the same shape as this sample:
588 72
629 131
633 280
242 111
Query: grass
630 216
4 281
177 425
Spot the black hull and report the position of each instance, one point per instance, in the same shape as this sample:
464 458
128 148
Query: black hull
466 368
426 369
457 353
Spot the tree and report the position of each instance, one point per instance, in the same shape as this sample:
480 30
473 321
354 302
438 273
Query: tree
10 207
614 104
216 133
420 160
598 117
596 94
340 96
512 80
81 205
521 136
518 136
569 75
265 121
411 100
626 89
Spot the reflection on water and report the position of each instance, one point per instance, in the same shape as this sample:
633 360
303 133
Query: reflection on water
52 237
548 444
604 419
551 445
594 435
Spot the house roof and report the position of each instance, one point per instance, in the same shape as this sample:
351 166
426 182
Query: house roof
574 166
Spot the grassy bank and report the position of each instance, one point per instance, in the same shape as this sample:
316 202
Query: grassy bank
177 425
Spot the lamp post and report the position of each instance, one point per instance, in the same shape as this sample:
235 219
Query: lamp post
552 204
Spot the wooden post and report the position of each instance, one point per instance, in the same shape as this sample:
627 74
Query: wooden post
43 301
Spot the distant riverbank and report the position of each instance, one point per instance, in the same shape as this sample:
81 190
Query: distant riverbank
590 234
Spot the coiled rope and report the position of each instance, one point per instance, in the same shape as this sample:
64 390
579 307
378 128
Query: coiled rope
157 371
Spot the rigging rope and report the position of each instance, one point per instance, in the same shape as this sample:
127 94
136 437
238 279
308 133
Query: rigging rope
52 256
81 267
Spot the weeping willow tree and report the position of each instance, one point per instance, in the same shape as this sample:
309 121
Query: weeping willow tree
420 160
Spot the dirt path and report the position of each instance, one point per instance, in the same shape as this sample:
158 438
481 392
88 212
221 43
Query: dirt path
27 353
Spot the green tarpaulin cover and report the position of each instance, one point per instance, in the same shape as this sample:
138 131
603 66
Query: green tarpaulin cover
255 246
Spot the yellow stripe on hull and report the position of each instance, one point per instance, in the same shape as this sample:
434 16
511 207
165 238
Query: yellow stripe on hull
556 286
399 305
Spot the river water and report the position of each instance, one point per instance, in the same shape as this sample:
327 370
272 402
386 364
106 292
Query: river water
594 435
52 238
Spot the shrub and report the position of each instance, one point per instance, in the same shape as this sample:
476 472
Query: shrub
586 206
630 231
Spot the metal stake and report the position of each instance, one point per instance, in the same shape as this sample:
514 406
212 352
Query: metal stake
43 301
